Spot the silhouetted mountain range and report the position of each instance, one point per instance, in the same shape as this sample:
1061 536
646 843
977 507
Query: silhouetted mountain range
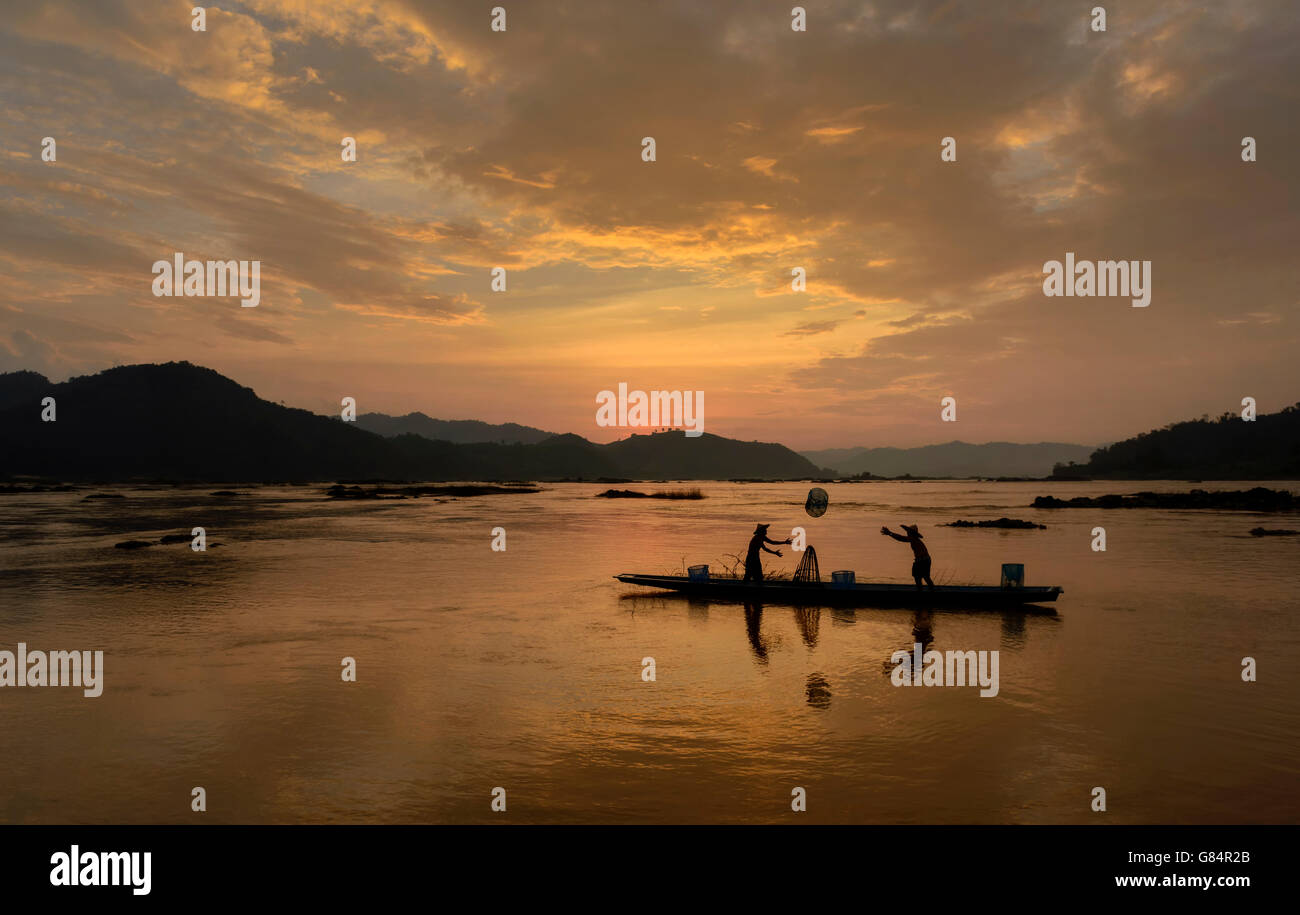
459 431
954 459
183 422
1227 448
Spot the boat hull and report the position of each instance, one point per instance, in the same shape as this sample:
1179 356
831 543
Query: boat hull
859 595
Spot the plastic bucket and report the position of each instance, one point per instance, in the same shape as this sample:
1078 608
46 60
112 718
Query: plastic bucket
842 579
1013 575
698 573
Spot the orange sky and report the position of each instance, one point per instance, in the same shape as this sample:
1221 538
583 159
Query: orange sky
775 149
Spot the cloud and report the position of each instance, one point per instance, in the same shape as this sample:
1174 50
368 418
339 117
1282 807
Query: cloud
23 351
775 149
811 328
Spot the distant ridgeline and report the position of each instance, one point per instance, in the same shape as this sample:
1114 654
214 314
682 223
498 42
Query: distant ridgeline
460 431
182 422
952 459
1227 448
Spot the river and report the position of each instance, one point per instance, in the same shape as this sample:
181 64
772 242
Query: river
521 668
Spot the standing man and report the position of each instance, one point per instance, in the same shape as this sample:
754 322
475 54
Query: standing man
920 555
753 561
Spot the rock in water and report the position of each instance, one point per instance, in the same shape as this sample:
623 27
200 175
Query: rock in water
817 502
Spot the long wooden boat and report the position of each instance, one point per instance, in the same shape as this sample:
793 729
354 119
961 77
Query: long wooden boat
862 594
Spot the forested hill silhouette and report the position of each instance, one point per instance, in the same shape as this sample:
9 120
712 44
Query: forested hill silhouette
184 422
1226 448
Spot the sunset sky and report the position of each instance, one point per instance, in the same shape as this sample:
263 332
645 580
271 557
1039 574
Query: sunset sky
775 149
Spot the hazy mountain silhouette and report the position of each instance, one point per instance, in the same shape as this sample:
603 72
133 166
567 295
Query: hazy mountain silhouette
647 456
460 431
1227 448
183 422
953 459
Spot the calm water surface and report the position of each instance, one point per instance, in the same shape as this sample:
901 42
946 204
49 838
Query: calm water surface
521 668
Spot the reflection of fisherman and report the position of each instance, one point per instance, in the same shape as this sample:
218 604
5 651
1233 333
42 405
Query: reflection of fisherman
753 561
754 629
920 555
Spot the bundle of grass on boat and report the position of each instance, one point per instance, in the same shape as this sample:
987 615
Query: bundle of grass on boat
733 566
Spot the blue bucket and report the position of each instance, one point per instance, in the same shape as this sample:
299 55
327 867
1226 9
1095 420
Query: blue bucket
842 579
698 573
1013 574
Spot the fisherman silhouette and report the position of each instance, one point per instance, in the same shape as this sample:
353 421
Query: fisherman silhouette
920 555
753 561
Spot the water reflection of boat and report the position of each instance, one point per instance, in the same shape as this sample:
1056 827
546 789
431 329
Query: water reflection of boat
862 594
